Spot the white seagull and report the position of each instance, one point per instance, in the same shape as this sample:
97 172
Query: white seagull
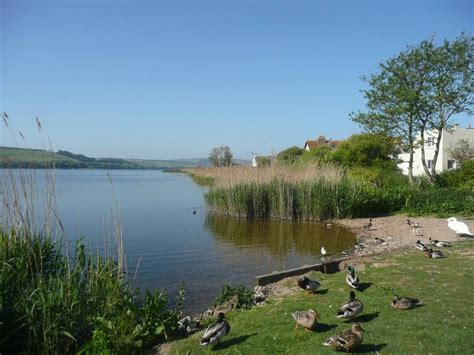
323 251
460 228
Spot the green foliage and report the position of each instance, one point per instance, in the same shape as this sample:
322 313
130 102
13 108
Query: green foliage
320 155
221 156
52 304
462 177
290 155
366 150
263 162
243 296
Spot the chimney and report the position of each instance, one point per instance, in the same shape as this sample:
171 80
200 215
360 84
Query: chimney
321 139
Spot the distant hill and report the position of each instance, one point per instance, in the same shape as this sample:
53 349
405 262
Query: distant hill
37 158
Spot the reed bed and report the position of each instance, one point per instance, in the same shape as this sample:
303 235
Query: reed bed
309 192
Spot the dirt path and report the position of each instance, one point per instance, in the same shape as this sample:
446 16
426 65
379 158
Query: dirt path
397 234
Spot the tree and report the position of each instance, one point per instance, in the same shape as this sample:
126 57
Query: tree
420 89
462 151
263 162
290 155
221 156
366 150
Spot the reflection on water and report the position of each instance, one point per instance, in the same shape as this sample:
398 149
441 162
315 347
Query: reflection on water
171 244
280 238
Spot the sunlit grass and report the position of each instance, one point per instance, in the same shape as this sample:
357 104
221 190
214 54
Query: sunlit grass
443 325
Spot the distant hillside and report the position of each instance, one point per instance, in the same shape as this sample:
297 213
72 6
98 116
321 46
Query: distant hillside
62 159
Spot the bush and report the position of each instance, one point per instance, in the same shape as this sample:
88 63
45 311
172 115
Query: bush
52 304
460 178
243 295
290 155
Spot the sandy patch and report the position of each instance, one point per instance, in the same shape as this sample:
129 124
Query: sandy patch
397 234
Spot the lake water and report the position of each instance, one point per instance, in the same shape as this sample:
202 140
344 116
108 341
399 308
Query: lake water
173 245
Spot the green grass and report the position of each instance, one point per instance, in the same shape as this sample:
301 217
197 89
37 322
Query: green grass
32 155
443 325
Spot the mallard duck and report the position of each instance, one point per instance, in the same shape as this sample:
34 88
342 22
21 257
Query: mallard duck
420 246
460 228
405 302
367 226
352 279
439 243
307 319
347 340
434 254
308 285
413 224
350 309
215 331
378 240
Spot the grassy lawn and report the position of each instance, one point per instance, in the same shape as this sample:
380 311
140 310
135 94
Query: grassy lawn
442 325
32 155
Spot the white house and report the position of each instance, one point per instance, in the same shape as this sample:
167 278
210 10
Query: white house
449 138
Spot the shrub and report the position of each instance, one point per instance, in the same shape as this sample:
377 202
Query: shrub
243 295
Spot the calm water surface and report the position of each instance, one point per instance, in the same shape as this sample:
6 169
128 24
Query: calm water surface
173 245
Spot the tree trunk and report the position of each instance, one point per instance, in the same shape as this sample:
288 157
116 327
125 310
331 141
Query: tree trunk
435 157
423 156
410 146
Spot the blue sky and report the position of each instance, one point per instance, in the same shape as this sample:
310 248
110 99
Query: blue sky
172 79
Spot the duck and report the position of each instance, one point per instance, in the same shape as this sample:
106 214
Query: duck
216 331
436 254
405 302
323 251
379 240
413 224
347 340
308 285
439 243
307 319
359 246
350 309
367 226
419 245
460 228
352 279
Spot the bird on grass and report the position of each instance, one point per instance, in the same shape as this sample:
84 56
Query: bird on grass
439 243
460 228
378 240
405 302
350 309
434 254
352 279
216 331
413 224
367 226
420 246
308 285
307 319
347 340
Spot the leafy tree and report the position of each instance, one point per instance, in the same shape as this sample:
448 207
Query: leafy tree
221 156
290 155
263 162
366 150
318 155
420 89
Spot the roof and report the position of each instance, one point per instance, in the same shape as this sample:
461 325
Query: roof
321 143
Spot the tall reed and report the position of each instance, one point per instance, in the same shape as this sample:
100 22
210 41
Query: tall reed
309 192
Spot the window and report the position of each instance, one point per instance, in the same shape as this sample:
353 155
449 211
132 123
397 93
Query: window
429 163
430 142
451 164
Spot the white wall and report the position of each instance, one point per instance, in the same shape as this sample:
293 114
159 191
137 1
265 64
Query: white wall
449 139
